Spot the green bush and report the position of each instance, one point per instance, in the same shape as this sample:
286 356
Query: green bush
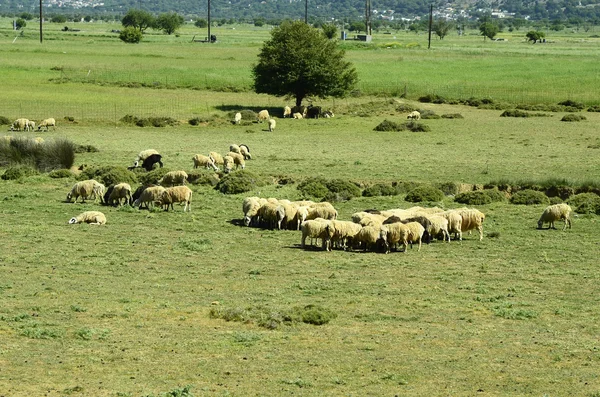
415 126
203 178
4 121
595 108
240 182
424 193
56 154
314 187
555 200
152 177
432 98
387 125
429 115
514 113
45 156
86 149
344 188
573 117
248 115
585 203
380 189
130 35
478 197
405 186
495 195
62 173
18 171
561 191
109 175
315 314
448 188
572 104
529 197
452 116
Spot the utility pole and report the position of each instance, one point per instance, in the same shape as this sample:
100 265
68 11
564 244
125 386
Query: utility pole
430 25
368 30
306 12
209 22
41 19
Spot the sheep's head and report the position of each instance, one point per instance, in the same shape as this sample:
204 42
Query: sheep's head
72 220
69 197
247 220
540 224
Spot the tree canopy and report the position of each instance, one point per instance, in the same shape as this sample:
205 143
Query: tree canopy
169 23
138 19
535 36
301 62
489 30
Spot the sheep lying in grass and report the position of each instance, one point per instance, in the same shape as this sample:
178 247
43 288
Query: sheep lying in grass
177 194
556 212
262 115
173 178
91 217
414 115
149 196
272 125
317 229
86 189
47 123
119 191
204 161
297 116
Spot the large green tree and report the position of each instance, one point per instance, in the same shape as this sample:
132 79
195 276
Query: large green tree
299 61
138 19
169 23
489 30
441 27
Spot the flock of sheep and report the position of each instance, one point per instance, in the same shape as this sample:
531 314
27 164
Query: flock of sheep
296 112
372 229
23 124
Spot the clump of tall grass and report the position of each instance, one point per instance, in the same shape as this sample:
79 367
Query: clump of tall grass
529 197
44 156
241 182
585 203
573 117
329 190
424 193
149 121
4 120
109 175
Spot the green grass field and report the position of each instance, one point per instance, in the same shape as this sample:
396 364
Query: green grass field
123 309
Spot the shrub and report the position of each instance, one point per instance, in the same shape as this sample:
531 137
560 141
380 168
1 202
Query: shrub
46 156
476 102
572 104
57 154
203 178
415 126
387 125
448 188
595 108
85 149
495 195
452 116
240 182
478 197
404 108
432 98
315 314
109 175
18 171
585 203
4 121
380 189
62 173
424 193
346 188
529 197
152 177
19 150
314 187
555 200
573 117
248 114
561 191
429 115
514 113
130 35
405 186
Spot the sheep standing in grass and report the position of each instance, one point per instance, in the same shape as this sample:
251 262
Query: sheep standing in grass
263 115
272 124
454 222
366 237
148 157
217 158
47 123
234 148
394 233
438 225
415 234
30 125
120 191
250 207
317 229
322 210
19 124
268 215
471 219
150 196
177 194
556 212
174 178
85 189
91 217
204 161
244 151
228 164
238 160
344 232
414 115
238 118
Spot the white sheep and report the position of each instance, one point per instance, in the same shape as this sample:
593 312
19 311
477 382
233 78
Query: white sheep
367 236
297 116
228 163
21 124
30 125
415 234
556 212
317 229
217 158
238 118
173 178
287 111
201 160
91 217
262 115
268 215
177 194
471 219
301 214
47 123
250 207
414 115
394 233
143 155
344 231
322 210
272 124
234 148
120 191
150 196
244 151
438 224
286 212
238 160
85 189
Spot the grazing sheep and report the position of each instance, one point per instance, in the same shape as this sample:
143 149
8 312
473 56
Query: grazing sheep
91 217
272 124
98 191
47 123
414 115
471 219
262 115
150 196
286 213
367 236
438 225
173 178
148 162
297 116
237 118
217 158
20 125
30 125
84 189
415 234
555 212
204 161
268 215
394 233
250 207
244 151
454 222
144 154
344 231
234 148
287 112
423 221
301 215
317 229
238 159
322 210
227 164
177 194
118 192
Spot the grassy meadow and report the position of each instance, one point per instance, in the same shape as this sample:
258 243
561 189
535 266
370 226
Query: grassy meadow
124 309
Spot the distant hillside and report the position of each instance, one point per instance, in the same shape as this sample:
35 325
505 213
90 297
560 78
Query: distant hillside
388 11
